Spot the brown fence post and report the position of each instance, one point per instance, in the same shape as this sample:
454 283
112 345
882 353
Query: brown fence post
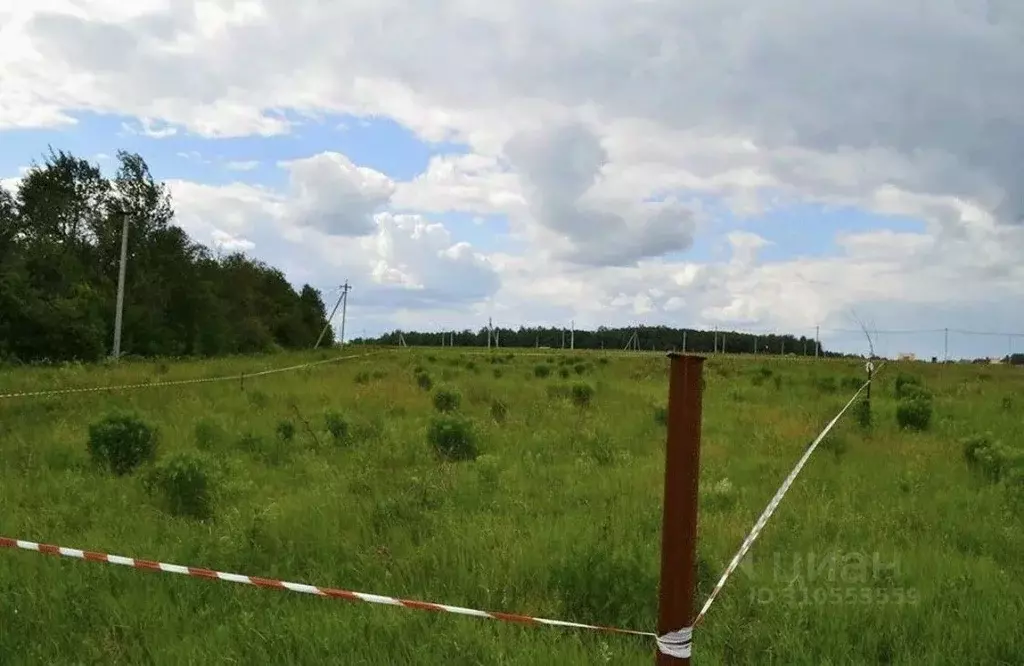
679 517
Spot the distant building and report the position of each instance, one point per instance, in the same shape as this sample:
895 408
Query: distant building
906 357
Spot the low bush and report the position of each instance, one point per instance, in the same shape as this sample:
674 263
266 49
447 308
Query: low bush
447 400
582 394
286 430
453 438
337 425
122 442
902 386
541 370
914 414
185 483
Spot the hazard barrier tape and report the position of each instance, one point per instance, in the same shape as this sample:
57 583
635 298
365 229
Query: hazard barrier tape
779 494
676 643
180 382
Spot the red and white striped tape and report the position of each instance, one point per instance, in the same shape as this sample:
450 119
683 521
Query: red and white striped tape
675 643
774 503
180 382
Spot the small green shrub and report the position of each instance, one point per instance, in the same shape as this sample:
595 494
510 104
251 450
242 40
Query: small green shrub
362 378
185 483
499 410
337 425
971 446
995 460
286 431
903 382
122 442
602 361
447 400
489 469
453 438
580 368
541 370
563 373
915 392
497 373
1007 403
424 381
582 394
914 414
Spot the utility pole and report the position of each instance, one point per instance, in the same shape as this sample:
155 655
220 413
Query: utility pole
120 288
489 329
716 340
342 297
817 340
572 335
684 341
945 345
563 338
344 308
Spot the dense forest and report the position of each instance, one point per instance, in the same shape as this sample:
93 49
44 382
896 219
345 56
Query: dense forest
60 244
644 338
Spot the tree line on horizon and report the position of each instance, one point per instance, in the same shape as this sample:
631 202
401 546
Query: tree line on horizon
662 338
60 246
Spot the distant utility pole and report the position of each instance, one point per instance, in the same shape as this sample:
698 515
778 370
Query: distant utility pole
342 298
563 338
716 339
684 341
817 340
120 288
945 345
572 335
490 329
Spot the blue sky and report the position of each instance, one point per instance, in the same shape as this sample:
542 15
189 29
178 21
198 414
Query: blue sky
798 230
794 231
567 196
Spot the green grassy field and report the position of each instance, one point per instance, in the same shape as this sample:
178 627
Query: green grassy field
559 516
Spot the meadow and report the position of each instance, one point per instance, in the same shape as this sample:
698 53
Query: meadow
519 482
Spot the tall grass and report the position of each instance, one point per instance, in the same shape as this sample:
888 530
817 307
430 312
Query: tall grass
878 546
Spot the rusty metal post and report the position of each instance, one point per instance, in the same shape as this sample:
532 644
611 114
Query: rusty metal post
679 517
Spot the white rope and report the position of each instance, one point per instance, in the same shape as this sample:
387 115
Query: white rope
179 382
774 503
677 643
